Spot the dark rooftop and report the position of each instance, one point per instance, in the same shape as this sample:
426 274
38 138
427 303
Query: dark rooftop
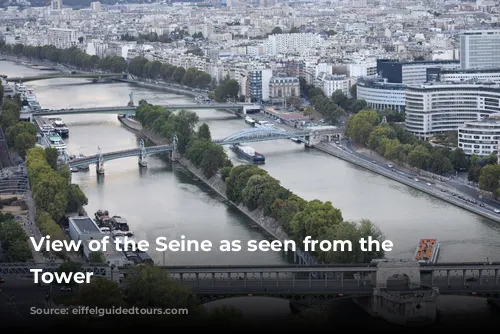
85 224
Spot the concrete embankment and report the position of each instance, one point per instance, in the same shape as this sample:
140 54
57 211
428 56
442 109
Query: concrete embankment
433 190
130 123
216 183
160 86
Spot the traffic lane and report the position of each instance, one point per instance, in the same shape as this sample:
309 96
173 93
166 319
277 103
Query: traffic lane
451 184
469 193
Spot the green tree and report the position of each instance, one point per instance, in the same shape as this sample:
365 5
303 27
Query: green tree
24 141
100 292
490 175
97 257
179 74
352 231
213 159
238 179
151 286
419 157
276 31
76 198
51 155
204 132
459 159
315 219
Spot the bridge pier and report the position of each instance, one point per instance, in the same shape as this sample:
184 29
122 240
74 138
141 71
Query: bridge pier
99 168
416 308
142 158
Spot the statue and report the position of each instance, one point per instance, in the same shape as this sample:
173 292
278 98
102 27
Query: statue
131 99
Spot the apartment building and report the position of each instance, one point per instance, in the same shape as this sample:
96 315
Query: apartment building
440 107
298 43
330 83
480 138
282 87
480 49
258 84
62 38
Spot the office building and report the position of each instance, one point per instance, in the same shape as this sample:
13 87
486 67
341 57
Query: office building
410 73
441 107
480 49
463 75
330 83
380 94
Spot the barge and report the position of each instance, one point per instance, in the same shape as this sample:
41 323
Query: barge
248 153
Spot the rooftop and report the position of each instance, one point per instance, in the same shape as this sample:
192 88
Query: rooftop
85 224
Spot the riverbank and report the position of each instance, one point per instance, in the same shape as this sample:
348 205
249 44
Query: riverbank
433 191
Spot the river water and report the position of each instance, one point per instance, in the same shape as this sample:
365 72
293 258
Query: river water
164 200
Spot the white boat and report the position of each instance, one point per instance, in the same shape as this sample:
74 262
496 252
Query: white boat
264 124
59 127
53 140
19 88
250 121
31 98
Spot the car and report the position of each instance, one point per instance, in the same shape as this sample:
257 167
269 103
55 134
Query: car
2 280
390 166
481 205
471 279
496 210
66 288
429 184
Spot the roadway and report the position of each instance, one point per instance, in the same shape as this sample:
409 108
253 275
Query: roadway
441 186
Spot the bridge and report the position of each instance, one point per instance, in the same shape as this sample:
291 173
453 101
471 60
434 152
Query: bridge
62 75
131 110
335 280
245 136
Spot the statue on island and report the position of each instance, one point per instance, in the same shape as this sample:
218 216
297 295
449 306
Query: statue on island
131 99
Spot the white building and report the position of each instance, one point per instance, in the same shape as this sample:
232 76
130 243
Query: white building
442 107
282 88
464 75
480 138
56 4
480 49
298 43
97 48
62 38
330 83
381 95
95 6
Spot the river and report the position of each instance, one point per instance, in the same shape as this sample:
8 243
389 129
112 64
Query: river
164 200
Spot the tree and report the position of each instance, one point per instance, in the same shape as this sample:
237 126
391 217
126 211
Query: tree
100 292
204 132
23 142
459 159
97 257
51 155
151 286
238 179
227 90
179 74
313 221
352 231
76 198
490 175
354 91
276 31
